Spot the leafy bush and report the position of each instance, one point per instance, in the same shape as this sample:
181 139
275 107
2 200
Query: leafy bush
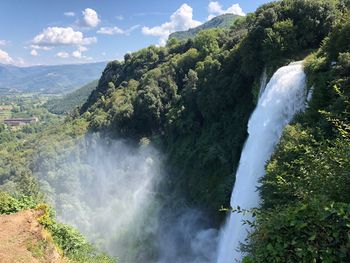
294 173
314 231
69 240
306 203
72 243
9 204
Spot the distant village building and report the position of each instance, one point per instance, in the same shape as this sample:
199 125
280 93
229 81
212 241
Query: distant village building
20 121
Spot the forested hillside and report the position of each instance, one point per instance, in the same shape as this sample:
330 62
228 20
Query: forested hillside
72 100
191 100
56 79
306 202
222 21
196 96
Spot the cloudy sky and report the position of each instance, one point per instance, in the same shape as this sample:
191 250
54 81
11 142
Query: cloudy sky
34 32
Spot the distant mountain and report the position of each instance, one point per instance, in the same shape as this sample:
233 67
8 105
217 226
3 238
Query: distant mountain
222 21
68 102
48 79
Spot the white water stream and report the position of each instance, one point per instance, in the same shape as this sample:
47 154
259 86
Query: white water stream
282 98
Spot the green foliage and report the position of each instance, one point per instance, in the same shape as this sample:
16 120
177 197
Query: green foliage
70 101
194 98
224 21
338 41
313 231
26 156
37 249
206 42
294 171
196 95
280 40
69 240
10 204
305 212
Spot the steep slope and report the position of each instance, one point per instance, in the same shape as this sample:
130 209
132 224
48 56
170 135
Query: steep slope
48 79
194 97
305 213
222 21
23 239
71 100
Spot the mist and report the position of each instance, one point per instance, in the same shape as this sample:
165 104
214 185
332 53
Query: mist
109 190
185 236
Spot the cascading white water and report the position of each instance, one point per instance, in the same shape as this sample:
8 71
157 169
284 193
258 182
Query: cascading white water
283 97
263 81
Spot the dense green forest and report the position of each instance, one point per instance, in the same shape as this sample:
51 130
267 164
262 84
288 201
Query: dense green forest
195 97
192 99
306 202
67 103
223 21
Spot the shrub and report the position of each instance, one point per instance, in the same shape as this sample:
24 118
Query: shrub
315 231
9 204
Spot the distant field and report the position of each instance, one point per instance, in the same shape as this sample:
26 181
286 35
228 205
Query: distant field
20 105
4 113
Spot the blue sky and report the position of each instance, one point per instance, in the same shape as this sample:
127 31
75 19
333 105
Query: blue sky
34 32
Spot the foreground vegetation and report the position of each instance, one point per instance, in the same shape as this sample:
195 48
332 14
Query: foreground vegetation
22 150
305 216
69 241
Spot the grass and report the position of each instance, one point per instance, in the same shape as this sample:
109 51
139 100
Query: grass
5 112
37 248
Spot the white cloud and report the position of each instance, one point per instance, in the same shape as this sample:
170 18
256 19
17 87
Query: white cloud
76 54
128 31
181 19
5 58
71 14
57 36
120 17
82 48
4 42
90 18
62 54
150 14
34 52
214 9
116 30
20 62
235 9
110 30
40 47
79 53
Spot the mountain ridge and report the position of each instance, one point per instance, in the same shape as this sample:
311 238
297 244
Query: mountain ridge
71 100
221 21
52 79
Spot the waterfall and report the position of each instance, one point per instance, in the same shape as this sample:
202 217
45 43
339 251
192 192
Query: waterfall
282 98
263 80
